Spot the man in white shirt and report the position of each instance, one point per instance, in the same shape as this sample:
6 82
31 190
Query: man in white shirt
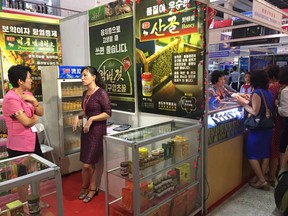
234 76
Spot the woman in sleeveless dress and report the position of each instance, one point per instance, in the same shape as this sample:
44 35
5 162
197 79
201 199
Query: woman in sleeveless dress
259 141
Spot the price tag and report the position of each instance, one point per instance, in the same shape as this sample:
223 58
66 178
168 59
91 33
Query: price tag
34 129
84 121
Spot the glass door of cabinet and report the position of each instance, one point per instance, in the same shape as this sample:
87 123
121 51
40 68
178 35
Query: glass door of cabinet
70 105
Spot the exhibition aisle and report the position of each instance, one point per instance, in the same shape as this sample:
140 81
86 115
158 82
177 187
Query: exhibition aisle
72 206
248 201
245 202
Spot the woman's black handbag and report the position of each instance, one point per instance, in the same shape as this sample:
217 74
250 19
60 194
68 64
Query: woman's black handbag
261 121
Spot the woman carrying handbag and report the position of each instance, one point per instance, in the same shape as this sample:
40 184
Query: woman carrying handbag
259 141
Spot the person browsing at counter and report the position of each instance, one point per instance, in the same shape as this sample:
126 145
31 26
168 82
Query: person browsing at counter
218 90
258 141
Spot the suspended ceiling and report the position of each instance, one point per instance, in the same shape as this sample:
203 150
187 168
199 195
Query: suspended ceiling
246 5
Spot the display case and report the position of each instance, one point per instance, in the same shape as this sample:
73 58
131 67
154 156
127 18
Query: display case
36 171
225 121
155 169
70 98
62 101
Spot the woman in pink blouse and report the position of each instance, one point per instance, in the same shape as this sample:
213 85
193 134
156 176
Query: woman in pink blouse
21 111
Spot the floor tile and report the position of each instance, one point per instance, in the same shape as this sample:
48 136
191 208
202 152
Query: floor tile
248 201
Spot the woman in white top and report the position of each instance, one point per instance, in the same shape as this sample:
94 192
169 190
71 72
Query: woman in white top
283 108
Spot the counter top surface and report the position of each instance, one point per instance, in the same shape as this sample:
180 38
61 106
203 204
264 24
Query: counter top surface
226 104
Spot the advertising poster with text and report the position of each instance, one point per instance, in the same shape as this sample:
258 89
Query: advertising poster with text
30 43
169 55
260 62
112 52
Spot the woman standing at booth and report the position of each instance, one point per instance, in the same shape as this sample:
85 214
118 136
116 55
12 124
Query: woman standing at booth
21 111
96 110
258 141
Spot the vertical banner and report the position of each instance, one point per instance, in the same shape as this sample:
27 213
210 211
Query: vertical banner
31 43
170 55
112 51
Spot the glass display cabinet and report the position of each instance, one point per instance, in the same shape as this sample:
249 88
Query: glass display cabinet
225 121
30 169
155 169
62 101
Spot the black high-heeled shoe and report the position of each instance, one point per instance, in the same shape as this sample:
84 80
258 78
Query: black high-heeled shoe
83 193
88 198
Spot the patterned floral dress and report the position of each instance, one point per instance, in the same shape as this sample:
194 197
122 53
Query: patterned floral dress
92 142
274 88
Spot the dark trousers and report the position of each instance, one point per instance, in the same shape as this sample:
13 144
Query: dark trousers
234 85
284 136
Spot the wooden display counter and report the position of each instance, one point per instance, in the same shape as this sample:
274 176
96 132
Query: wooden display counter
227 169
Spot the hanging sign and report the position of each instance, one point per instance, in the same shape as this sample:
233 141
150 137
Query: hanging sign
266 14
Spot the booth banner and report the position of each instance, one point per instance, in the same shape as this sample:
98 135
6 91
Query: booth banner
169 57
112 51
260 62
281 60
30 43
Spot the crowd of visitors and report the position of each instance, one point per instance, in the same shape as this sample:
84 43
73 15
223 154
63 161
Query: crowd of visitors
265 148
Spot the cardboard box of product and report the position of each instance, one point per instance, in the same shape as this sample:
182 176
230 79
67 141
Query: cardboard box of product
179 205
184 173
15 208
181 147
191 199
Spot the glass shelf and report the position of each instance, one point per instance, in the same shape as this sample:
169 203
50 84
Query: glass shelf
30 169
164 161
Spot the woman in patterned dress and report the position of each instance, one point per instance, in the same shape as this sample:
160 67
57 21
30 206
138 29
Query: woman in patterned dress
96 110
274 87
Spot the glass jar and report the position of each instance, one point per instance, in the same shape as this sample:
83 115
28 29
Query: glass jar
147 84
124 169
34 205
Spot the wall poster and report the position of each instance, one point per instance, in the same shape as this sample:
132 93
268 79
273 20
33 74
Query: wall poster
260 62
31 41
169 54
112 51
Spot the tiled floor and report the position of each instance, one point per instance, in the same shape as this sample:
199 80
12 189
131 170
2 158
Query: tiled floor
248 202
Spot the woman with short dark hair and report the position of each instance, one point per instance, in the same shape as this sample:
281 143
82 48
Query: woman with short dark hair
258 141
21 111
217 90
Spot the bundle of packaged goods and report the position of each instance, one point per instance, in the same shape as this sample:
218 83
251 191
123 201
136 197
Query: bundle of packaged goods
146 160
15 208
152 193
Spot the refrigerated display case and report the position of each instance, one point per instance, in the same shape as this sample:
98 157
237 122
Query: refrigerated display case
158 169
62 101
